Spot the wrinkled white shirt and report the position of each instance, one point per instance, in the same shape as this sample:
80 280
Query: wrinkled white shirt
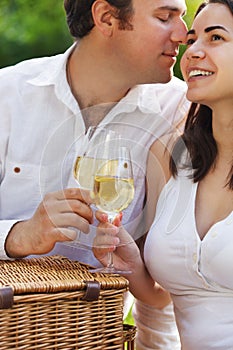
39 121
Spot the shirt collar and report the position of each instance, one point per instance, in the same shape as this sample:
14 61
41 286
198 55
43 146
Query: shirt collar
140 96
52 73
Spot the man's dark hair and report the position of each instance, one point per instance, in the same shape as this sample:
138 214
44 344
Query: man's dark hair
79 15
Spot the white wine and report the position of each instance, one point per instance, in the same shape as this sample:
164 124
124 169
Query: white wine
84 170
113 194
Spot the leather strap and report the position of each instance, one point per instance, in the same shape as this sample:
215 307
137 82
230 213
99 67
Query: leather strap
92 291
6 297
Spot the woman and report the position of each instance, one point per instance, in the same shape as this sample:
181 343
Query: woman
189 248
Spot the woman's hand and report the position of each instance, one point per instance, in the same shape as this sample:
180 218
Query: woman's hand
126 256
114 238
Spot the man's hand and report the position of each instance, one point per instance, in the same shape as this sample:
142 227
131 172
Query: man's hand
52 222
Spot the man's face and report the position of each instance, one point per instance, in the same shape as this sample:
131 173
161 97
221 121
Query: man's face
147 53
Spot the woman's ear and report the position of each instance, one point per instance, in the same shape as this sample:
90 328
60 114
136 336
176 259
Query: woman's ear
104 16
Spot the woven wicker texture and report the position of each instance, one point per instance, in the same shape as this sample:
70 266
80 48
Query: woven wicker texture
49 313
129 336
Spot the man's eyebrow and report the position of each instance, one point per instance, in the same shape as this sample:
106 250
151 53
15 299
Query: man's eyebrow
209 29
171 8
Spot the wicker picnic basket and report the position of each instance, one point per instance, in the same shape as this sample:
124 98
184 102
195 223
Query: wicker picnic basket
54 303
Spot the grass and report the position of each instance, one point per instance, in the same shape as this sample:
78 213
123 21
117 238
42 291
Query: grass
129 318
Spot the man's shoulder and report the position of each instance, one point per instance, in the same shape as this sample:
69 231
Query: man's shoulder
167 95
175 84
24 66
28 69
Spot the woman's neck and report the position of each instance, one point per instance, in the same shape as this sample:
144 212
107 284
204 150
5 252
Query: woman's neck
222 124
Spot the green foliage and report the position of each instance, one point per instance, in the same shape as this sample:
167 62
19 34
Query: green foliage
30 28
35 28
129 318
192 6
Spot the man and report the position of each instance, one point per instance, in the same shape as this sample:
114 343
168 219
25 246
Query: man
48 103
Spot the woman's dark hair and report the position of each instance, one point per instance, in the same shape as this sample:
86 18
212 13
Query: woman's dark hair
198 138
228 3
79 16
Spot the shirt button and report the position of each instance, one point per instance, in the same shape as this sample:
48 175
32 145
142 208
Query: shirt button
194 257
17 170
229 222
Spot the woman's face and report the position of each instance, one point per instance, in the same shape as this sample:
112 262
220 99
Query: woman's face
207 64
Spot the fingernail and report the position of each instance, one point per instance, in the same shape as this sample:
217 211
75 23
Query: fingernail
104 217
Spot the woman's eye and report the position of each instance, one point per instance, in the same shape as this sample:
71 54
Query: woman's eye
216 37
190 41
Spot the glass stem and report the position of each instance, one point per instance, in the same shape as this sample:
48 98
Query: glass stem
110 265
110 260
111 217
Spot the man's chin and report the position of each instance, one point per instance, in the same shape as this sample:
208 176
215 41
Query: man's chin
164 78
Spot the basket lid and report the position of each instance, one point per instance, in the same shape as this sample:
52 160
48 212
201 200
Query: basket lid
50 274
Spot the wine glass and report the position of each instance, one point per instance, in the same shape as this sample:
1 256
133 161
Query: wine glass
84 169
85 162
113 189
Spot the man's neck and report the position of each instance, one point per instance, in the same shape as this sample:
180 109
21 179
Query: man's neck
92 80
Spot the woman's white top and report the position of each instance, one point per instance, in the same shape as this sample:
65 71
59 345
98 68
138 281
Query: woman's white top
198 273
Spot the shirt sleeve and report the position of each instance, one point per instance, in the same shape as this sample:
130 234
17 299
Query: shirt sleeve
5 226
156 329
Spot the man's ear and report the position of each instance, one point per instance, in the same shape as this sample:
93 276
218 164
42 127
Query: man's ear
104 16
